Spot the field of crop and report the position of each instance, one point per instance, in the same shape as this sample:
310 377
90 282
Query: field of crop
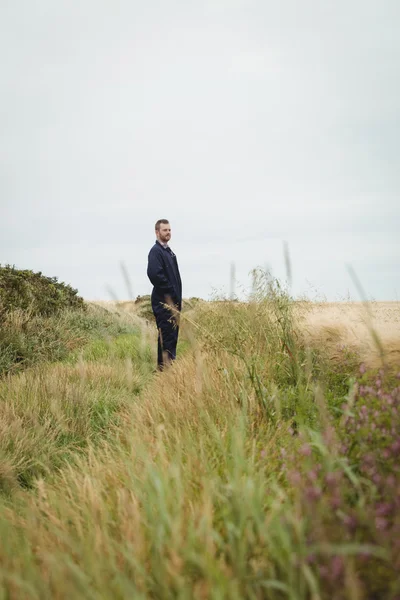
265 463
358 326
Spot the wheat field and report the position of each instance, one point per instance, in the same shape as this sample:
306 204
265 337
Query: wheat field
367 328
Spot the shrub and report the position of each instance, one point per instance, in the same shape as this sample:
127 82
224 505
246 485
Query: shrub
26 340
34 292
345 482
144 308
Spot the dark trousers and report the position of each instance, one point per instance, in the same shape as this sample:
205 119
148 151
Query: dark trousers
168 332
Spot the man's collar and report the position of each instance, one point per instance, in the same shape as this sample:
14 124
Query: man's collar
162 244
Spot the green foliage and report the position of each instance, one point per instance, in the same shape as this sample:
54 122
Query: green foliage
34 292
26 340
144 308
49 415
265 335
123 347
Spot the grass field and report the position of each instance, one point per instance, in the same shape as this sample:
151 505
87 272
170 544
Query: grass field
357 325
263 464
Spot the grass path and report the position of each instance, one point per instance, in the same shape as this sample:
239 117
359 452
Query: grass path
52 412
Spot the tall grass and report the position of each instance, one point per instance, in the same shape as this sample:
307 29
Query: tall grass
235 474
27 339
53 410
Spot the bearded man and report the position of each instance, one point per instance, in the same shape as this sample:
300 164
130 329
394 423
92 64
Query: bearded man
166 298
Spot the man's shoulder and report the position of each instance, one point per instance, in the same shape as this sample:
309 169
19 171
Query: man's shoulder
156 248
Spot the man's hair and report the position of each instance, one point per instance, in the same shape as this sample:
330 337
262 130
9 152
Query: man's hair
161 222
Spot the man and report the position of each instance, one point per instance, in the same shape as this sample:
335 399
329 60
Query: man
163 273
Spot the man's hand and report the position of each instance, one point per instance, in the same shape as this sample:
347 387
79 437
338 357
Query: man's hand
175 313
169 301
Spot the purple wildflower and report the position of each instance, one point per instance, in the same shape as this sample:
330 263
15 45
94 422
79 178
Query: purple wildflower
305 450
381 523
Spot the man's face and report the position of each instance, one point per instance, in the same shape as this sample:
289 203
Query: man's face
164 233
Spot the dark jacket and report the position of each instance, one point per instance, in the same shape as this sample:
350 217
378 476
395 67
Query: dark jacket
163 272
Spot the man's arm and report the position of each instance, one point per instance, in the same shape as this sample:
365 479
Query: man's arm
156 274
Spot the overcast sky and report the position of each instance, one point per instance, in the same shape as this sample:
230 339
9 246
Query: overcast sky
246 123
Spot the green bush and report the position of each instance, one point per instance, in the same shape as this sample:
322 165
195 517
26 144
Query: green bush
26 340
34 292
40 319
144 309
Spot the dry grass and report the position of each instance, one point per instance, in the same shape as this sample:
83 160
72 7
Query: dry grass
355 325
370 330
333 325
199 487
